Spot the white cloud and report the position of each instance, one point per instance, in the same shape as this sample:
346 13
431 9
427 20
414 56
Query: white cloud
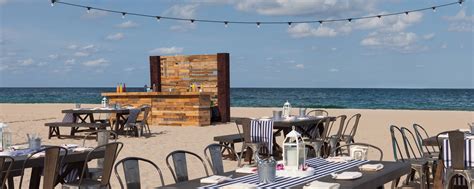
306 30
429 36
72 47
95 63
89 47
333 70
81 54
166 50
127 24
299 66
333 49
93 14
304 7
390 23
405 42
42 64
129 69
444 46
26 62
461 22
53 56
70 61
183 11
115 37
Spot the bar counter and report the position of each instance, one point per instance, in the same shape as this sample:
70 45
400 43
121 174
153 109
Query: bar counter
169 108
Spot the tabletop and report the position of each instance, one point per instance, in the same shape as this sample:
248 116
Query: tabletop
96 110
391 171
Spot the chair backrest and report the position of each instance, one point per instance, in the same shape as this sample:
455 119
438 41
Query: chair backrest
421 135
52 162
99 138
456 149
316 133
131 172
213 155
246 129
318 112
398 150
339 121
411 145
351 125
339 149
132 116
111 151
4 169
145 108
180 171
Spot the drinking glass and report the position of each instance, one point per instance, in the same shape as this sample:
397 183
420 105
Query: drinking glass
78 105
7 140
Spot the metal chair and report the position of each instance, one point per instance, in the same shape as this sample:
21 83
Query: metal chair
132 124
131 171
456 169
180 172
339 149
53 161
334 139
421 134
5 170
318 112
318 140
349 131
102 137
111 151
248 146
145 109
419 166
215 158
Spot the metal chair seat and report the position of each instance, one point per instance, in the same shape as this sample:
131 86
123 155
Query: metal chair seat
85 184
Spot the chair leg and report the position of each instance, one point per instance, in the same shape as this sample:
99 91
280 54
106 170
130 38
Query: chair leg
241 153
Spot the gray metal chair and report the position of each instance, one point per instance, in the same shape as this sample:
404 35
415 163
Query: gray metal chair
146 110
180 171
339 150
349 131
317 112
319 140
334 137
456 170
421 134
5 170
102 137
248 146
111 151
215 157
53 161
406 153
132 124
131 172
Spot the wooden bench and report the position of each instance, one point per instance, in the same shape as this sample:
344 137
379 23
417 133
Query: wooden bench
229 140
54 127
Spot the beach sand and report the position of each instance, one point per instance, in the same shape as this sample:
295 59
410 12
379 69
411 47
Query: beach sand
373 129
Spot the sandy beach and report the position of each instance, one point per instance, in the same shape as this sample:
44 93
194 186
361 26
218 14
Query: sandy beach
373 129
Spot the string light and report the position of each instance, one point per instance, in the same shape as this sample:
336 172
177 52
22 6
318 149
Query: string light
158 19
88 9
226 22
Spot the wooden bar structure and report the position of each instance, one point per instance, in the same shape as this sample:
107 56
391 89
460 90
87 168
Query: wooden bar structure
169 108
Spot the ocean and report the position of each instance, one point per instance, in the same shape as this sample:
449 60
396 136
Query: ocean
353 98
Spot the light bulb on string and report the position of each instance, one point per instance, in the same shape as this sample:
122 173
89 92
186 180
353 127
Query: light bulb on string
158 19
52 2
289 24
379 16
350 20
226 24
460 3
258 24
88 9
406 13
434 9
320 23
123 15
192 21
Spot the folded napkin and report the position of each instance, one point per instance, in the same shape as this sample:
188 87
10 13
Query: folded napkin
303 118
240 186
246 170
81 149
215 179
339 159
70 145
41 154
348 175
321 185
371 167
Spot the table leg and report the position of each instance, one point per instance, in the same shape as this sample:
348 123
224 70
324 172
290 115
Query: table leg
35 178
437 181
11 182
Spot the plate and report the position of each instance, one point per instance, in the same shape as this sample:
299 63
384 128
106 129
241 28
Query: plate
348 175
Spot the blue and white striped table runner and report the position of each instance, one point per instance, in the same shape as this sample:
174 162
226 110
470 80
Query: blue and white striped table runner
261 130
321 166
469 155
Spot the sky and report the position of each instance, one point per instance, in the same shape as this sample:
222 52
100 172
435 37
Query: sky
63 46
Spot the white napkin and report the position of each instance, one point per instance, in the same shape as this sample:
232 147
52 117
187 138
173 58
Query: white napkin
81 149
70 145
371 167
339 159
41 154
215 179
246 169
240 186
303 118
348 175
321 185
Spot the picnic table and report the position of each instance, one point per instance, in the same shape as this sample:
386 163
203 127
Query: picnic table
390 172
73 161
86 115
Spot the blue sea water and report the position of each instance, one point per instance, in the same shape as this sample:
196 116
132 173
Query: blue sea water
418 99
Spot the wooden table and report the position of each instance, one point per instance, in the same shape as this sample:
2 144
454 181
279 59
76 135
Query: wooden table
73 160
391 171
285 125
84 115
